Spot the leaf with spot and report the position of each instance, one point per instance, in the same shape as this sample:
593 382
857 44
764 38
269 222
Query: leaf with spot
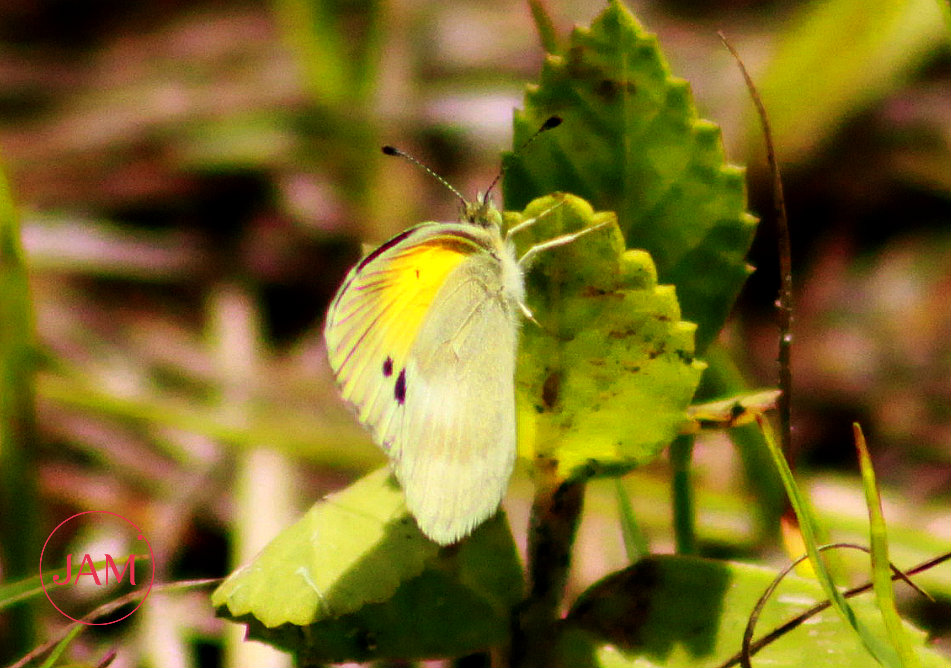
607 371
632 142
355 580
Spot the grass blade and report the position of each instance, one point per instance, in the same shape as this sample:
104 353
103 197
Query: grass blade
635 542
61 646
881 571
882 653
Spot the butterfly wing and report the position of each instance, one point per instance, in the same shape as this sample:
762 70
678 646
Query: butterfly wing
422 340
377 314
459 424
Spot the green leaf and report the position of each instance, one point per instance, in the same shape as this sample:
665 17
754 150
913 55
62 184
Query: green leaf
355 580
352 548
686 611
632 142
608 344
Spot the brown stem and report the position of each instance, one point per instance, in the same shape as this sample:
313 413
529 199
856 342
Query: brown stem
785 301
556 511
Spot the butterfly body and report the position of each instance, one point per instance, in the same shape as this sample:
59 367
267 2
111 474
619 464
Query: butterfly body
422 337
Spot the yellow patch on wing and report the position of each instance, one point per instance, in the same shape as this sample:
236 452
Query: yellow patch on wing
377 315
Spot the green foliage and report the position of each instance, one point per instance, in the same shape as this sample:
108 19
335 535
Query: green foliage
604 375
632 143
809 527
608 342
606 339
685 611
355 579
635 542
810 92
880 567
339 68
724 378
18 500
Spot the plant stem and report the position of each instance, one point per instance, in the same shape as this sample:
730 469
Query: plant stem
785 301
681 452
556 511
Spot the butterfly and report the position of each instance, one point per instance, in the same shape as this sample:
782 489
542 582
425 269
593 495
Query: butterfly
422 337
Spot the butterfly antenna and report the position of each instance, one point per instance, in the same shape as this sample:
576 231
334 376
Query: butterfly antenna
392 150
550 123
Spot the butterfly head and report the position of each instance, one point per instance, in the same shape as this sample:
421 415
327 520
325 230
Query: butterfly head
482 212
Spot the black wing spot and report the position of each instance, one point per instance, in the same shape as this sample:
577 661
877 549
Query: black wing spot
388 367
399 391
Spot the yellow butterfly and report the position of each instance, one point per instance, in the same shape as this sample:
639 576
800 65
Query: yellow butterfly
422 338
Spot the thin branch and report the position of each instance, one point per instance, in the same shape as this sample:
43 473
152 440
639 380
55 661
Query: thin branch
785 302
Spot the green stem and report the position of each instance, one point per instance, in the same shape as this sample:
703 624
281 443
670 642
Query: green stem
681 453
725 377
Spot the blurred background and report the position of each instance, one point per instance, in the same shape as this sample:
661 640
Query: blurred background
195 178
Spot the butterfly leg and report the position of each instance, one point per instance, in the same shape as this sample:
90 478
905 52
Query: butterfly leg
527 312
525 261
525 224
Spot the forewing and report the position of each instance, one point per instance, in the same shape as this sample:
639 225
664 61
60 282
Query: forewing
459 429
378 314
